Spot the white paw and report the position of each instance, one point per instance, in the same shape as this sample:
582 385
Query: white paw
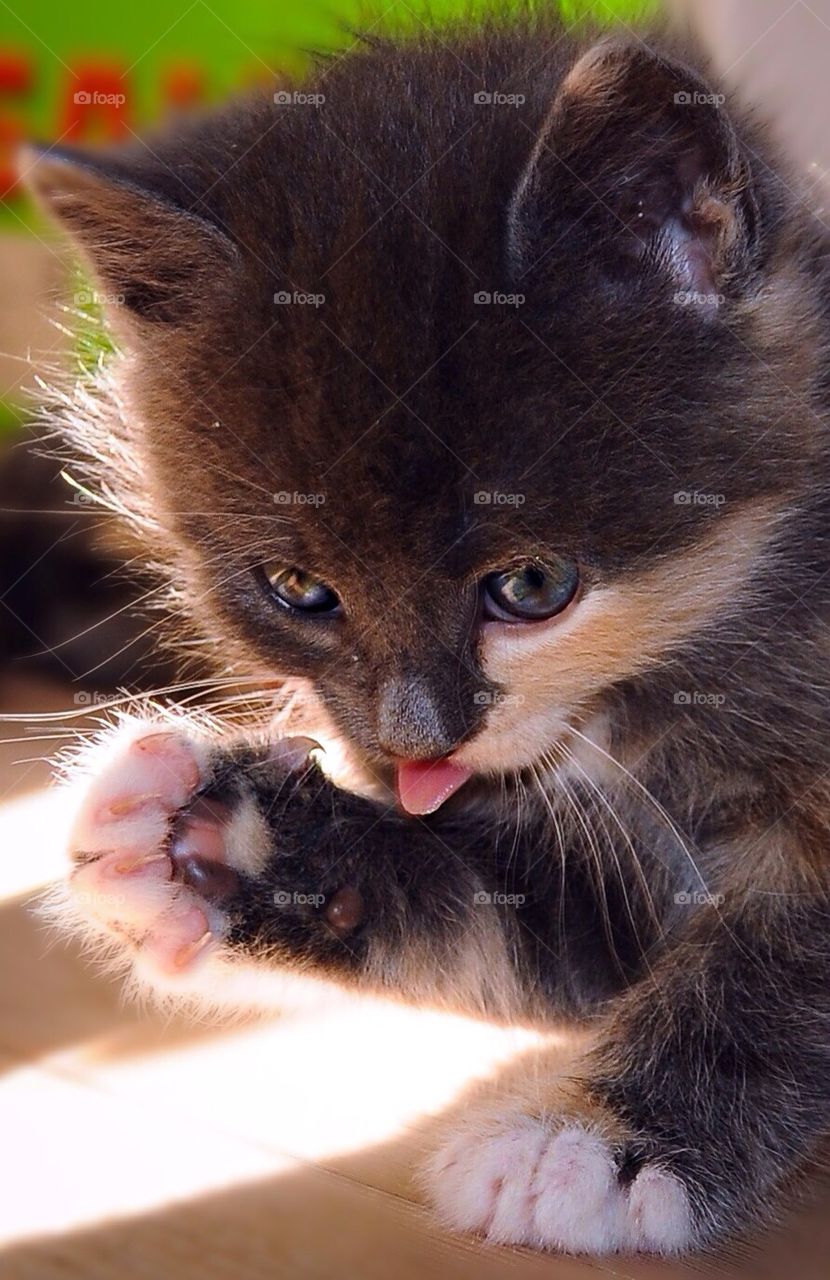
150 857
556 1186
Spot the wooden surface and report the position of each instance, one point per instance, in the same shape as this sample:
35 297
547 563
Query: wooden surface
138 1145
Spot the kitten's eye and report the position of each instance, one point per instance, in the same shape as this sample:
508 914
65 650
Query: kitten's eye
297 590
530 593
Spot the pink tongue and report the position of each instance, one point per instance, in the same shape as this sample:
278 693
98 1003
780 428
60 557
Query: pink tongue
424 785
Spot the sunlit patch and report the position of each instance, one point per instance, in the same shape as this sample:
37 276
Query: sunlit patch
152 1111
104 1158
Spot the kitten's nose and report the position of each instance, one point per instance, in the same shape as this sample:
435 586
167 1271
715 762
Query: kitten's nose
414 723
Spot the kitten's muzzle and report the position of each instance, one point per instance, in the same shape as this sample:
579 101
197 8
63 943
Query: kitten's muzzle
417 720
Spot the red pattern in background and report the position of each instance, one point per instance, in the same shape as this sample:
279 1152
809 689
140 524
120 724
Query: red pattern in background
95 104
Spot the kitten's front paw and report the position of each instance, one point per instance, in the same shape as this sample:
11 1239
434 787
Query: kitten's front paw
154 863
557 1182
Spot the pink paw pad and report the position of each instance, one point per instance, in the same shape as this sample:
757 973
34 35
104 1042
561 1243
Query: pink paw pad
129 804
151 860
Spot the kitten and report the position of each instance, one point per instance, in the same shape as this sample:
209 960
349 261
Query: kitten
479 388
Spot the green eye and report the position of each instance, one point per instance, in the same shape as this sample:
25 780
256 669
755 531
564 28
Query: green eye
294 589
531 593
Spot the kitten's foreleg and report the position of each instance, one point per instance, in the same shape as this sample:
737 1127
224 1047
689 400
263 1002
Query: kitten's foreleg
191 857
710 1085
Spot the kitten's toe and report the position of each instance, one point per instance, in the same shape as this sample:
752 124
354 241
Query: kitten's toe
484 1184
659 1213
579 1205
553 1183
134 899
146 778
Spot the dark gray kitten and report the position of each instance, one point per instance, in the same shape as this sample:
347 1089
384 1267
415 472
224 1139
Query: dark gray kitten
479 387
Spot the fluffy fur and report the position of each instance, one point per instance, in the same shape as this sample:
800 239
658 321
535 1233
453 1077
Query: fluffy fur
310 374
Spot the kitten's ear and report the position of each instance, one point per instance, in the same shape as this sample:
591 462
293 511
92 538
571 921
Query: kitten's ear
155 260
640 151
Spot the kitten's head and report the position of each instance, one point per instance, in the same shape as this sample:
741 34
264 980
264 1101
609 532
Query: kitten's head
459 380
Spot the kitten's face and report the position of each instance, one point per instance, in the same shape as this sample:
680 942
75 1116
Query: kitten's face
465 573
466 459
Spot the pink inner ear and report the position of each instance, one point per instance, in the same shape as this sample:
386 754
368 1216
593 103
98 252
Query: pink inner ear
691 234
682 227
689 258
